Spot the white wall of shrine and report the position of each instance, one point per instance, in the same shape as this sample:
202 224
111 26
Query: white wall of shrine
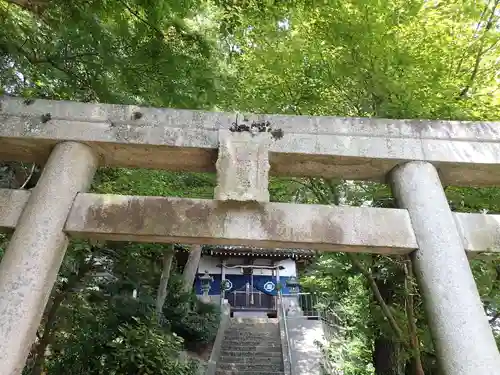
211 264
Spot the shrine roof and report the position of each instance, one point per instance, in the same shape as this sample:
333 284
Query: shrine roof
258 252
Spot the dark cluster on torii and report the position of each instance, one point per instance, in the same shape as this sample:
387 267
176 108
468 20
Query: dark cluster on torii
256 127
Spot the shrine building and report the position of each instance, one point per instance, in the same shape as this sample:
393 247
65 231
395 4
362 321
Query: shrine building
253 276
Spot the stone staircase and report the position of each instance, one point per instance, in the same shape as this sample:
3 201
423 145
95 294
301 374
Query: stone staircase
251 346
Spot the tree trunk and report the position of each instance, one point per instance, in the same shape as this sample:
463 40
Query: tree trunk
191 267
49 328
48 333
168 257
416 360
380 298
387 347
386 356
429 364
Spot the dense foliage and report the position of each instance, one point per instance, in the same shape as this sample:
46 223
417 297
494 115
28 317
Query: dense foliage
140 51
389 58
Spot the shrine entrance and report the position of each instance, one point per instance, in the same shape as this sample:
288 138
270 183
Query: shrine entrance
249 298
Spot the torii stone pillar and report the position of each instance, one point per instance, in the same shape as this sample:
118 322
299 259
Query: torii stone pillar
462 336
29 268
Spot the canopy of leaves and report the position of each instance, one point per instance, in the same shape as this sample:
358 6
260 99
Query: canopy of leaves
121 51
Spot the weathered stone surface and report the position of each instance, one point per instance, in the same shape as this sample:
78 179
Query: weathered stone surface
480 232
304 337
168 219
270 225
243 166
12 203
29 268
466 153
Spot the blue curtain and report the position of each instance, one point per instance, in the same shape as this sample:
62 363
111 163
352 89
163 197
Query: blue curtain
237 281
266 285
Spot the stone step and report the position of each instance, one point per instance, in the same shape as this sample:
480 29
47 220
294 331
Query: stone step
274 351
258 367
263 335
237 372
253 323
251 359
254 320
254 326
256 347
265 328
244 336
260 347
252 329
260 335
252 354
250 346
251 341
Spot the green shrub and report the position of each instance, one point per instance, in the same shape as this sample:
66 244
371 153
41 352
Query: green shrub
199 325
134 348
188 317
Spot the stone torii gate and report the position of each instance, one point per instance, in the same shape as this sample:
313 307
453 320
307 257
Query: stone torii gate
416 157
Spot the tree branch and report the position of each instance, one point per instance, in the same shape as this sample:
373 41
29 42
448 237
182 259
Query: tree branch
481 51
33 6
34 60
168 256
333 191
29 176
138 16
376 292
412 327
49 329
316 189
53 59
189 273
